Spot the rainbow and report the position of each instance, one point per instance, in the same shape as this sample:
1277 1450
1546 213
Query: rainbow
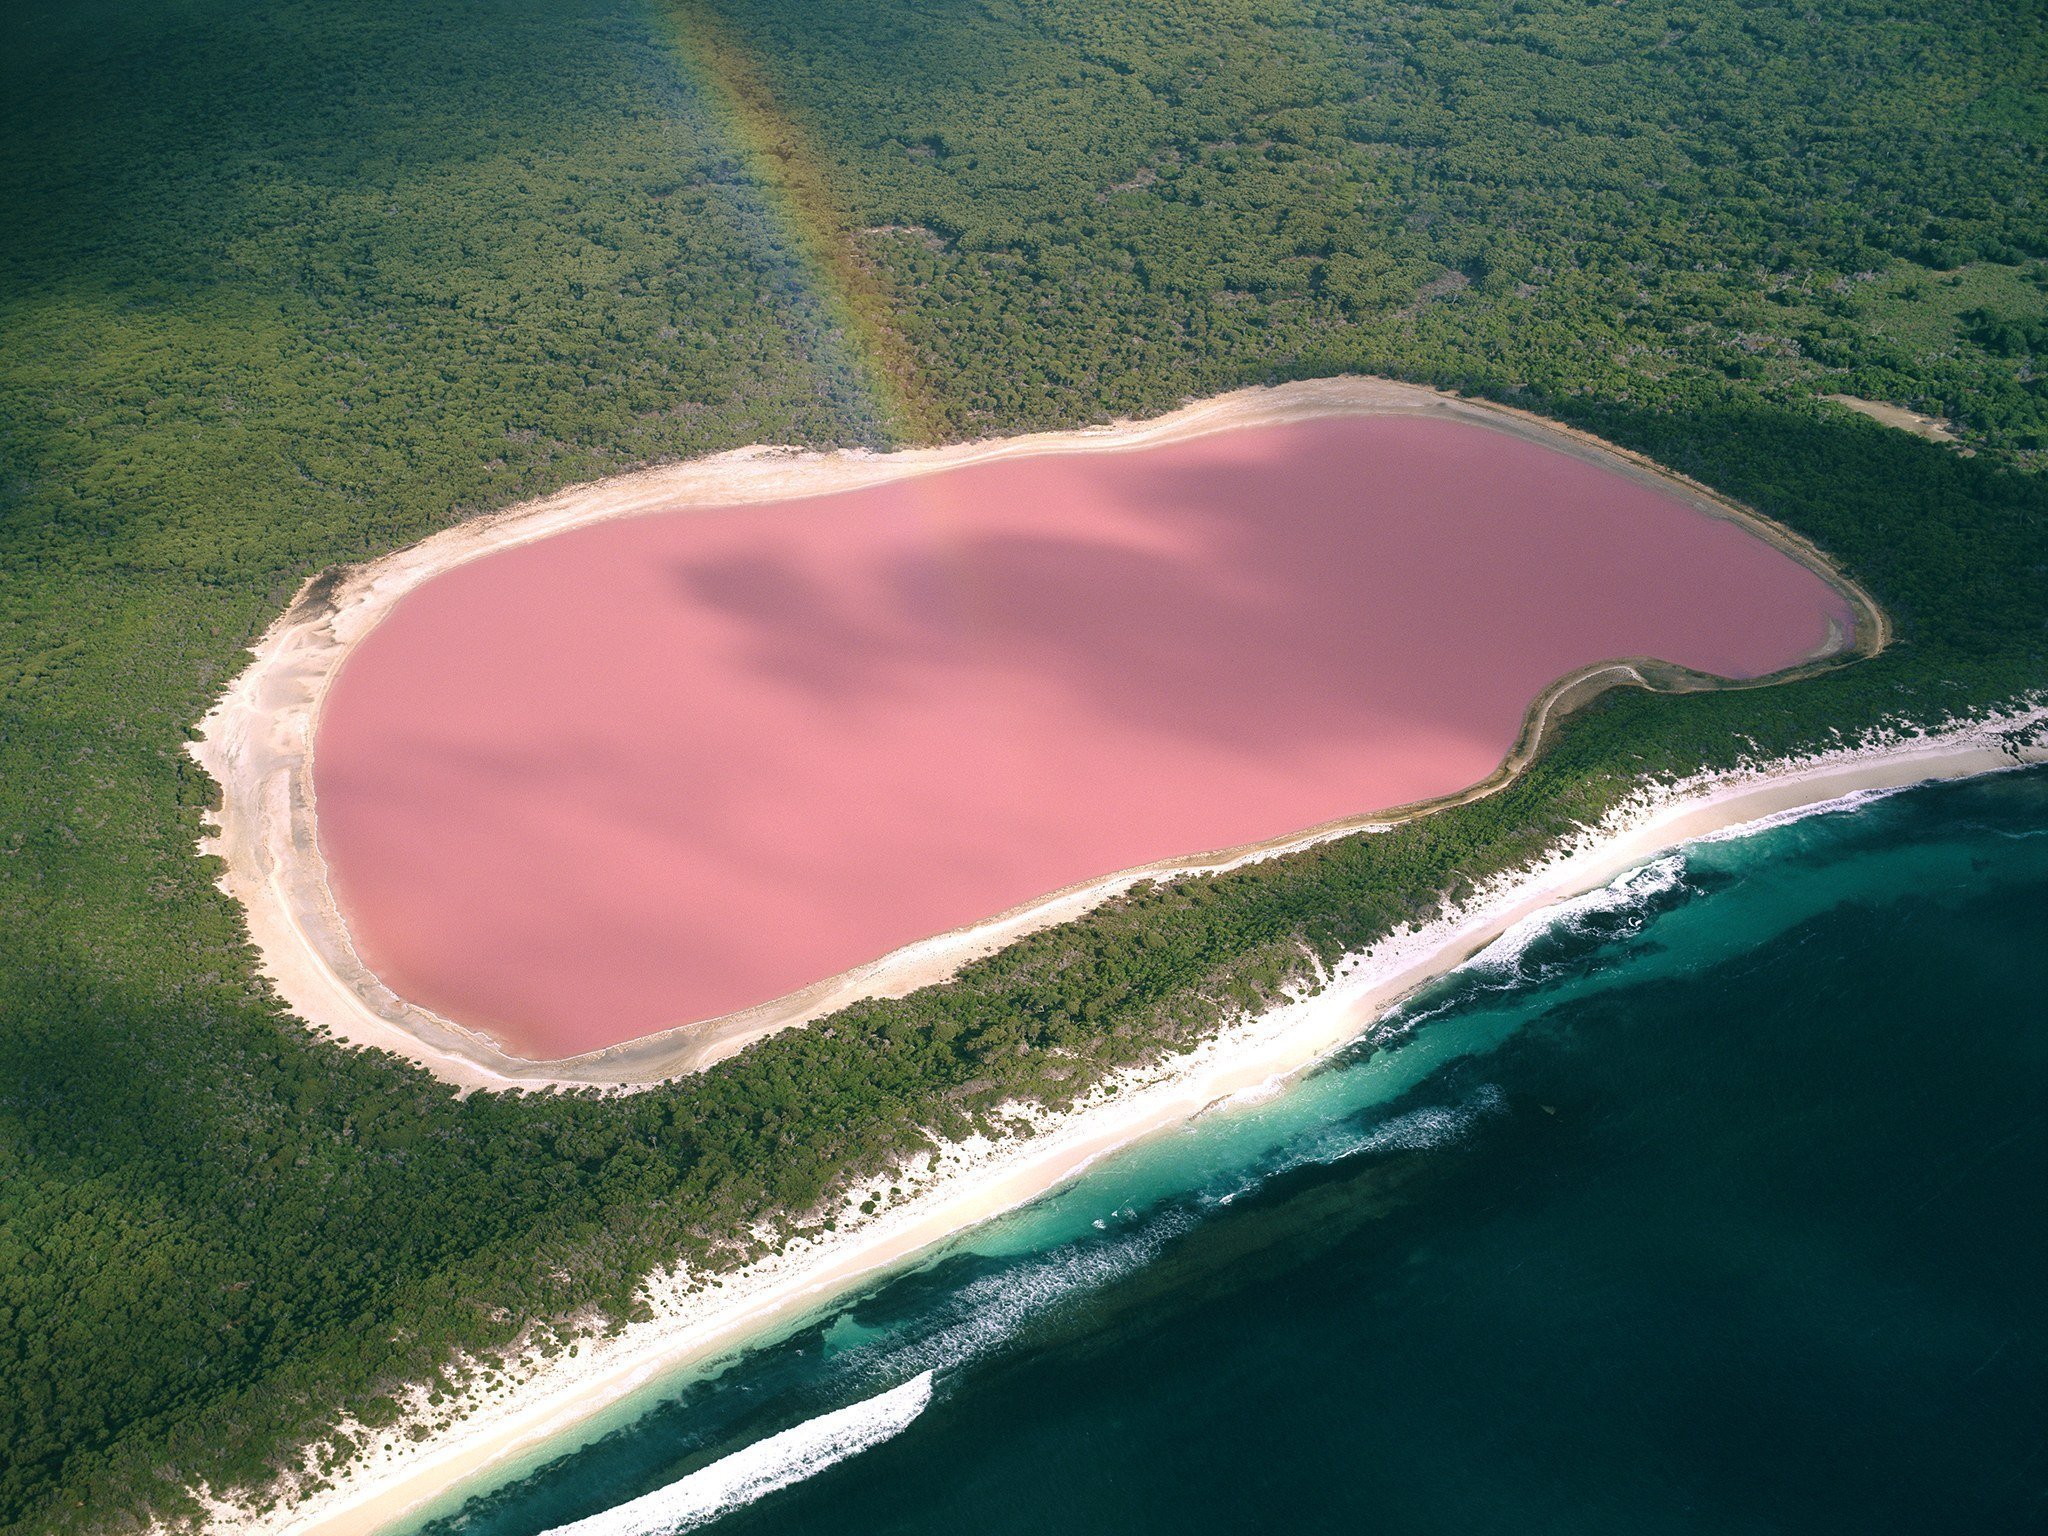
807 216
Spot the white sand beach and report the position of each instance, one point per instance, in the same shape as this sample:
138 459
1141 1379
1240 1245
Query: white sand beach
433 1455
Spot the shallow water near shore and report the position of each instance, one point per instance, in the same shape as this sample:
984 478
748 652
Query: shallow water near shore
1719 1202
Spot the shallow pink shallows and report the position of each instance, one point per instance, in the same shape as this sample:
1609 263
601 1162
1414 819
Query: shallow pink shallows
666 767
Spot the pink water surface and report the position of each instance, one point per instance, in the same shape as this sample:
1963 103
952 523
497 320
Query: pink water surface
666 767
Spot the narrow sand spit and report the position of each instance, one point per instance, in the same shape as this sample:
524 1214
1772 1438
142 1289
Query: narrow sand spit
486 1440
258 741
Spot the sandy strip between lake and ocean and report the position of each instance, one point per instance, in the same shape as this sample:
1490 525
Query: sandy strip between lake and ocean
258 741
547 1402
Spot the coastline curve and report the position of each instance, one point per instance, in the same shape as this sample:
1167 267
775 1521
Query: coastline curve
420 1464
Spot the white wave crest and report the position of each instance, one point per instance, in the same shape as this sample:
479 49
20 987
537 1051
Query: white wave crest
1854 801
763 1467
1418 1130
1437 1126
990 1310
1637 888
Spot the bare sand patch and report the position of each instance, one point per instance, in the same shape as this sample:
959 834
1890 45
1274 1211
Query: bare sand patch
1933 428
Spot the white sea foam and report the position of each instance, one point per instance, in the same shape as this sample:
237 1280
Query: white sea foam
1638 888
1850 802
1436 1126
990 1310
1417 1130
780 1460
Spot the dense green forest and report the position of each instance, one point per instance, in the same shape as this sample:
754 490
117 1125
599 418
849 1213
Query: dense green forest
1079 204
287 285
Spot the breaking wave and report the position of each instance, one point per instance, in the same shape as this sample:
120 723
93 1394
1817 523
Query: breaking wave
991 1309
1854 801
1437 1126
1417 1130
1619 909
776 1462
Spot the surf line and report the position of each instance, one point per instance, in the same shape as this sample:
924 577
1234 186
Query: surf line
737 1480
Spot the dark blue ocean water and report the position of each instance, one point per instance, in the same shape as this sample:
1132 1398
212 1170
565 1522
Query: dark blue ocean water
1719 1205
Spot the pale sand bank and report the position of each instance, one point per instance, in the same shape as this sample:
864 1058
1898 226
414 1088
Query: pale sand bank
258 741
399 1476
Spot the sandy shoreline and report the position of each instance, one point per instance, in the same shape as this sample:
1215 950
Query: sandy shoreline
257 742
399 1476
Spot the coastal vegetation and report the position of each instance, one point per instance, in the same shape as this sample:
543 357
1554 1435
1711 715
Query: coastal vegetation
288 286
1579 197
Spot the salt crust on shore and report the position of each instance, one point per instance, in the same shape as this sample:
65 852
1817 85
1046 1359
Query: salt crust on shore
541 1402
257 741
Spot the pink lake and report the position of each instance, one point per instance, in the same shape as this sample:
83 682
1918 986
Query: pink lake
663 768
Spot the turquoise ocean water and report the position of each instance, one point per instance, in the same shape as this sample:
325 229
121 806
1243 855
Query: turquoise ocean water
1720 1204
